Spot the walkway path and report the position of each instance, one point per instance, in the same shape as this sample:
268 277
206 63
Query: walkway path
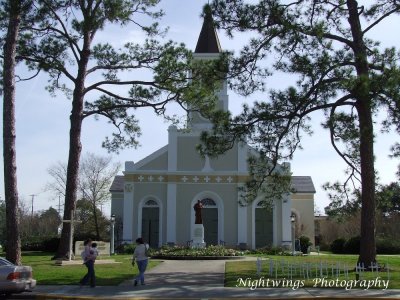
185 272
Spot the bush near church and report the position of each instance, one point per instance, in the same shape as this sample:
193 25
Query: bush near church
39 243
337 246
352 246
270 250
387 246
125 248
304 243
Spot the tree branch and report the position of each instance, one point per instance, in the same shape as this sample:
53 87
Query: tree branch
380 19
29 78
64 33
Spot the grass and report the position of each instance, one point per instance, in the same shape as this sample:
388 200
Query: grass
47 273
236 272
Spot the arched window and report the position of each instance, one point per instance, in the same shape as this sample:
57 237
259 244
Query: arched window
207 202
264 204
150 203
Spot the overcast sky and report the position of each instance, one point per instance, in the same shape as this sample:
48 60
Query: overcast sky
43 121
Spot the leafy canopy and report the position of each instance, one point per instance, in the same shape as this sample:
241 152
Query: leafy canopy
337 68
114 79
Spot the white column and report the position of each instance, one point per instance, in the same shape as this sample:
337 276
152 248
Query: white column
286 223
171 213
242 157
274 224
171 188
242 211
242 224
172 148
128 212
286 212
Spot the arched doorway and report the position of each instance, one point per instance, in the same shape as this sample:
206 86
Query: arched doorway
263 219
210 221
151 222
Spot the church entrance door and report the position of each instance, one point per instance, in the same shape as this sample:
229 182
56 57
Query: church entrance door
210 223
264 226
150 225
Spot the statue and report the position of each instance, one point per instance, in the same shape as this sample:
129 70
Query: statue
197 208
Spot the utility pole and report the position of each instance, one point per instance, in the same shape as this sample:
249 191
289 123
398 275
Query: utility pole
33 196
59 205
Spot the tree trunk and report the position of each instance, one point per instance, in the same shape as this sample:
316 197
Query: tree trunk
367 242
75 148
13 244
364 110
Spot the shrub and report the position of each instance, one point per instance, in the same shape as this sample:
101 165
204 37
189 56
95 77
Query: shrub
324 247
337 246
40 243
386 246
50 244
304 243
33 243
352 246
273 250
126 248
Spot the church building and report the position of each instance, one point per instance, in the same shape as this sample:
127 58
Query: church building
154 199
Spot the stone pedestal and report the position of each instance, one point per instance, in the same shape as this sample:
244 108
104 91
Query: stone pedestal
198 236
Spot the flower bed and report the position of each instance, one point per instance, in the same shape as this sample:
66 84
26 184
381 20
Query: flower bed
210 252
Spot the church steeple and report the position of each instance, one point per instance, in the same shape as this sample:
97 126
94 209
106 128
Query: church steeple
208 41
208 48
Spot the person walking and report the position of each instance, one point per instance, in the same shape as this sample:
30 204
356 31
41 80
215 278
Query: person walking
141 258
89 257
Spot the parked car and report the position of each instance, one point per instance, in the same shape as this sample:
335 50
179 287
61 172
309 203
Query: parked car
15 279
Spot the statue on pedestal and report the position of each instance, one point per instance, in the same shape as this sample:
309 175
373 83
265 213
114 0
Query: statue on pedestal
197 208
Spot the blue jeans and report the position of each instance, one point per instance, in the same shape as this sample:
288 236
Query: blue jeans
142 265
90 276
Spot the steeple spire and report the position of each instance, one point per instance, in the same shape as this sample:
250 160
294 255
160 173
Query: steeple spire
208 41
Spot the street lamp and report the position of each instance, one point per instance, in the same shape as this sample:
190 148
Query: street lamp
293 220
112 219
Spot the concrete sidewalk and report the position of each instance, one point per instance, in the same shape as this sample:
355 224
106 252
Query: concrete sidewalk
196 279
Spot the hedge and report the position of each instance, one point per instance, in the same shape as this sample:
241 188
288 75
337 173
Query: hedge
352 246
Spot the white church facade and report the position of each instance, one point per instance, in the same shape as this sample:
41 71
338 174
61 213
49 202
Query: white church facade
154 198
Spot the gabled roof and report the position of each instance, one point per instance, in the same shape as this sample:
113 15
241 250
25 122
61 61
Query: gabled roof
303 184
118 184
208 41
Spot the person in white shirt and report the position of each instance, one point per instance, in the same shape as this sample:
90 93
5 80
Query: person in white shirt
141 259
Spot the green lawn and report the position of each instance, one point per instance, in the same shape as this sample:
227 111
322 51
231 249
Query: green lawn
46 272
244 273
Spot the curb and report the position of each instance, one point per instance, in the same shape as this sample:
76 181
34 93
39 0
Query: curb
61 297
